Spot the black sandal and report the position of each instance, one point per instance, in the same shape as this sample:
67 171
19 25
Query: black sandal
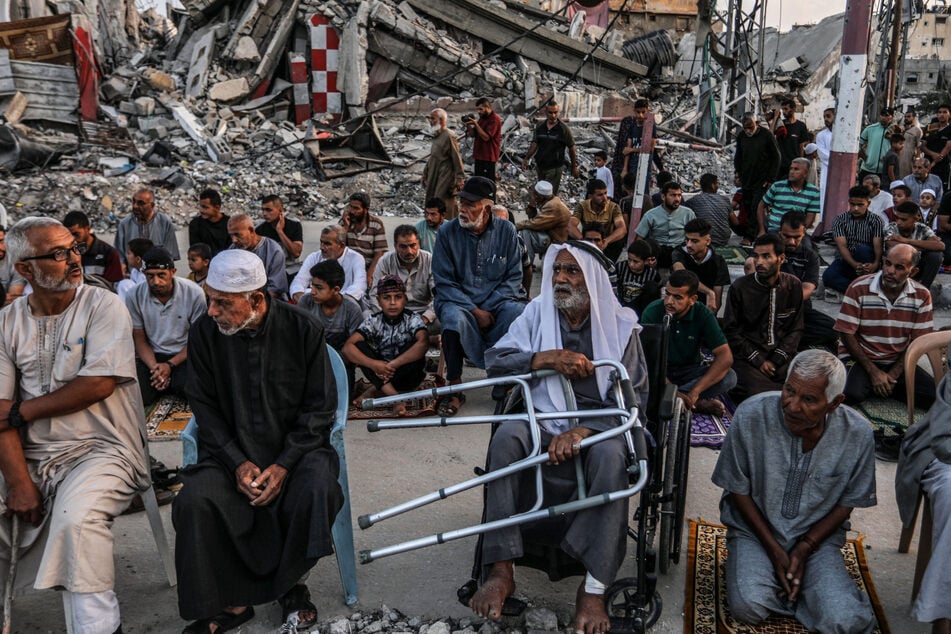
224 620
297 599
446 409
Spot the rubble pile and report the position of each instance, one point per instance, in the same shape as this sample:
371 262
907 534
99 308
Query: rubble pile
389 621
209 102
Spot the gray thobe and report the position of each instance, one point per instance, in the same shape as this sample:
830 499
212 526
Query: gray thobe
595 537
793 490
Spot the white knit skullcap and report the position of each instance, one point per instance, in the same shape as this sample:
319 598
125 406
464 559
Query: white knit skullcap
236 271
544 188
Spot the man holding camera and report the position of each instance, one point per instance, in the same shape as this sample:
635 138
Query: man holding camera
486 133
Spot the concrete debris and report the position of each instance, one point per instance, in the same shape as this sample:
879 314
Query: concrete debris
213 101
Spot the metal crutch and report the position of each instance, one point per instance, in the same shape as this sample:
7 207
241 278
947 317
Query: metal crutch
11 573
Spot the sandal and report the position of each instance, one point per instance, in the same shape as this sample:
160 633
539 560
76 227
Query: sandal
446 409
224 621
297 599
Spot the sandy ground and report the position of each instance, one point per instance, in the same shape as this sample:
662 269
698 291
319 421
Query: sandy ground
392 466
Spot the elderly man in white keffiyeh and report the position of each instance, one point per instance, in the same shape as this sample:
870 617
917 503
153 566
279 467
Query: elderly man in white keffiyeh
575 320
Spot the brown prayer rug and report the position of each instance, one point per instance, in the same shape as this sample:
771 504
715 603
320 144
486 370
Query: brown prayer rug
167 418
415 408
705 604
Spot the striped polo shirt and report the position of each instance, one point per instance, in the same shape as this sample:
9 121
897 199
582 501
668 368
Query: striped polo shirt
857 231
781 197
884 329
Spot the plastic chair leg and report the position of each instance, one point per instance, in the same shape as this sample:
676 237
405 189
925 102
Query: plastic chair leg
158 532
342 530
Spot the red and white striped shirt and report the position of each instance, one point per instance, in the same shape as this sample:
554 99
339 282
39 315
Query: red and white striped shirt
884 329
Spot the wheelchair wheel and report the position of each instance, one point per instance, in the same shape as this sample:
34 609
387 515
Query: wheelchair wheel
622 601
676 463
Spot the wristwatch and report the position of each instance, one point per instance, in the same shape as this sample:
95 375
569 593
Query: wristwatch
16 419
171 365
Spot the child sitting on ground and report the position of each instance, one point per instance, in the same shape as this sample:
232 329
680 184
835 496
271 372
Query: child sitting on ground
390 347
594 232
199 257
638 283
133 257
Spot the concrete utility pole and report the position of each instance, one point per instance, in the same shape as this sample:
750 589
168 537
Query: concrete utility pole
850 100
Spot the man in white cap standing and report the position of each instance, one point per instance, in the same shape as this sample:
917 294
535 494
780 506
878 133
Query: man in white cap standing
255 513
547 221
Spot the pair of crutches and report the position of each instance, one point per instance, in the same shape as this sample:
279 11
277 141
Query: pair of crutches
630 428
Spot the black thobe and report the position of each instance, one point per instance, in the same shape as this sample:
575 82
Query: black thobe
267 397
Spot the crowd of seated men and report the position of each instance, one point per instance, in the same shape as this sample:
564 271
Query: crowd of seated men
464 285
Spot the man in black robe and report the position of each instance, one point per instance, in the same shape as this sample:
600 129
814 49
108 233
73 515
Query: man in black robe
263 394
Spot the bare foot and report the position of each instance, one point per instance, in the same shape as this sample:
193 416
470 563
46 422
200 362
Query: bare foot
369 393
487 601
591 615
400 409
711 407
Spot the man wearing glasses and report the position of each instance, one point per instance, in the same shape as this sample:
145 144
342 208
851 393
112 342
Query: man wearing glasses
145 222
72 434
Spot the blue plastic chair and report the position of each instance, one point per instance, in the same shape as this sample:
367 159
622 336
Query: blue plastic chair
343 525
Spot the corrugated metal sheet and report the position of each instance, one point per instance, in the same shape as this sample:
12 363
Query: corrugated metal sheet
7 86
52 91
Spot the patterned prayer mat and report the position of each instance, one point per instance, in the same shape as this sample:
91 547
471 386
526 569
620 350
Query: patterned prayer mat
705 604
415 408
733 254
167 418
888 414
710 431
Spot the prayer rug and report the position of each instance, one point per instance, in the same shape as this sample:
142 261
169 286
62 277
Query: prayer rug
705 605
710 431
167 418
733 254
425 406
887 414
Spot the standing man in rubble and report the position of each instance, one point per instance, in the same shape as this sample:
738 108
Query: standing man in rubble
444 174
552 137
486 133
756 161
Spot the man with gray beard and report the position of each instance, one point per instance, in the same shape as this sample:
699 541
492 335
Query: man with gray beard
72 428
574 321
254 514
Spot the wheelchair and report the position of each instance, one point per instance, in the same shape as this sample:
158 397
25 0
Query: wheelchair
657 438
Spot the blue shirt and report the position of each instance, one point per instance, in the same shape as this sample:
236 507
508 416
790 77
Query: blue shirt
483 271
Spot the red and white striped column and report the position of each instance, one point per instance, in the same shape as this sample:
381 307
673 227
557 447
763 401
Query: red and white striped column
324 47
850 101
298 66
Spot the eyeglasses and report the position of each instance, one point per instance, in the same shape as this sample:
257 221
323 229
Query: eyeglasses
60 255
570 269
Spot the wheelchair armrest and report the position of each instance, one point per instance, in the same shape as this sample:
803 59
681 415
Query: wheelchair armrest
666 407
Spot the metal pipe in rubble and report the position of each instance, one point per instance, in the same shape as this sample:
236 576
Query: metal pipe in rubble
850 101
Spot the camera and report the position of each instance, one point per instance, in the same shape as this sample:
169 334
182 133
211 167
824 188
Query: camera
468 118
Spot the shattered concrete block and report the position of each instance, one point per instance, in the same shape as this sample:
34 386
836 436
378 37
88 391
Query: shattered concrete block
230 90
114 88
494 77
405 28
202 55
383 14
127 107
540 619
145 106
225 113
246 50
159 80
